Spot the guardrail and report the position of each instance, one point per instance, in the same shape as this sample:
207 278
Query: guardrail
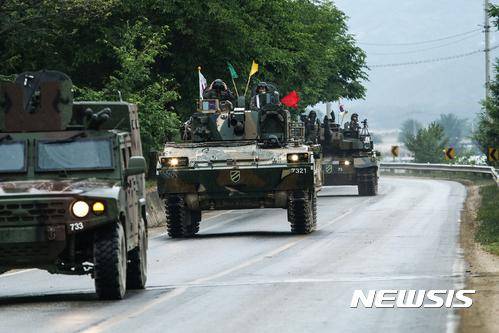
423 167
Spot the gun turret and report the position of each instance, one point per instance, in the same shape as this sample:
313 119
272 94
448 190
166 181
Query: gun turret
36 101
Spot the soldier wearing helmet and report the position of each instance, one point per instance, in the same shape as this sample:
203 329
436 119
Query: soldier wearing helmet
312 125
353 126
218 90
261 88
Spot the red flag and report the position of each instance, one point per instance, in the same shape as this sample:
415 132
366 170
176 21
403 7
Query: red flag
291 100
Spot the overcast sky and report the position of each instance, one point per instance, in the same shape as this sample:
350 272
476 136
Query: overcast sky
420 91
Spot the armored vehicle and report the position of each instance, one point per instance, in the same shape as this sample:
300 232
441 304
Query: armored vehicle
72 196
348 155
238 158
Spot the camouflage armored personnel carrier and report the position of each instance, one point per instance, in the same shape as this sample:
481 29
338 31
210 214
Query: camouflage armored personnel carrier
72 197
238 158
348 155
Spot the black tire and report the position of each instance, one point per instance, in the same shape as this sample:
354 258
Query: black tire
302 212
367 183
110 262
136 275
181 222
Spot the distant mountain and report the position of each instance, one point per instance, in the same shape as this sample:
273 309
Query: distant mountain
418 91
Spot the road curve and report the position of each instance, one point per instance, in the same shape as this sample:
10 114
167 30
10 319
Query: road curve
245 272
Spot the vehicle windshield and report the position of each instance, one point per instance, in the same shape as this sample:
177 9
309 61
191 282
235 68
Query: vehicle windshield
80 154
12 157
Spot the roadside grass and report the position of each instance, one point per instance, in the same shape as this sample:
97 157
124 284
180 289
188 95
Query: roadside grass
487 232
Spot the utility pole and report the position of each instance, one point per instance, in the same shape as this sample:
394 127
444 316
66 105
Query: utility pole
487 48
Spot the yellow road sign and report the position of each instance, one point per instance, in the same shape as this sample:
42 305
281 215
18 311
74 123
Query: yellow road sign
493 154
450 153
395 151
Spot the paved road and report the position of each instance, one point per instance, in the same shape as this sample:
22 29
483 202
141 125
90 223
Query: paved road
246 273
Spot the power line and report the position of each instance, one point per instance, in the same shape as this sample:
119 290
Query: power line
425 49
426 61
422 42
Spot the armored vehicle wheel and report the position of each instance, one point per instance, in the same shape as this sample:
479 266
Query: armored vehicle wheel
302 212
181 221
110 262
137 261
3 270
367 183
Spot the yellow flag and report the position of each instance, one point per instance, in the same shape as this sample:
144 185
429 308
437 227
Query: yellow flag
254 68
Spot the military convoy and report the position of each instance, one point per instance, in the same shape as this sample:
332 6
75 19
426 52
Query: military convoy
72 187
72 196
348 155
238 158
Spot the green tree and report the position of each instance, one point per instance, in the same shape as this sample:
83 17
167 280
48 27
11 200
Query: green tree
455 128
139 46
408 130
487 130
105 46
299 44
428 144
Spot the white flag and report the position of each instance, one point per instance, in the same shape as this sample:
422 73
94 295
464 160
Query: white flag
202 84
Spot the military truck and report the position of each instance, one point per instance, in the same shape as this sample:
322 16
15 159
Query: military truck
348 155
72 188
238 158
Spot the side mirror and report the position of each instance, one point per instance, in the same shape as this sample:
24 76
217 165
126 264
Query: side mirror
136 166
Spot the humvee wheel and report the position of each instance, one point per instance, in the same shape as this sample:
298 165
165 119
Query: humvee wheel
110 262
367 183
181 222
136 275
302 212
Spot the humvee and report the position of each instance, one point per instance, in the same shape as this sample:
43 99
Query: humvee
72 187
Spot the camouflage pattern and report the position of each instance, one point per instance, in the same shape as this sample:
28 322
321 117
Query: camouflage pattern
37 225
237 158
348 157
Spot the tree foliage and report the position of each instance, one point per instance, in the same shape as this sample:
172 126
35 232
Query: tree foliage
408 130
455 128
487 130
300 44
150 49
428 144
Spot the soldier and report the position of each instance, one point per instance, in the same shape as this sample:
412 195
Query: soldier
354 122
311 127
218 90
261 88
352 127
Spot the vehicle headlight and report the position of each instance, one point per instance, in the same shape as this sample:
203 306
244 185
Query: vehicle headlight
98 208
346 162
174 162
80 209
297 157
